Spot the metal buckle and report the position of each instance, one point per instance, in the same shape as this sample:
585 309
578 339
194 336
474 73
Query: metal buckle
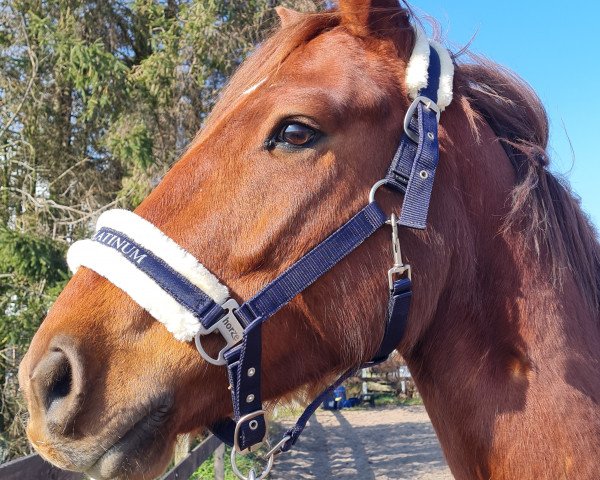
399 267
405 269
269 456
236 434
430 104
230 329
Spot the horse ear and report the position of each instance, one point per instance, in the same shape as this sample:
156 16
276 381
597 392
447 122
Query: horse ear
287 16
372 16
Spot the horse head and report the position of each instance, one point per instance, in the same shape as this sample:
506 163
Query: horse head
303 130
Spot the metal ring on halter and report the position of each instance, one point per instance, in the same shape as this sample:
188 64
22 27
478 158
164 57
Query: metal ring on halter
276 450
251 475
230 329
375 187
236 434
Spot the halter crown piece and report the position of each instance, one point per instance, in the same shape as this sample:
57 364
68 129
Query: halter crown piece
182 294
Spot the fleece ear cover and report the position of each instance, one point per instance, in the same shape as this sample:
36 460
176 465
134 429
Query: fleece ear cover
140 287
416 71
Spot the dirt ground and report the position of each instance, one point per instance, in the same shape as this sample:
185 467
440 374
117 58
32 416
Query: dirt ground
375 444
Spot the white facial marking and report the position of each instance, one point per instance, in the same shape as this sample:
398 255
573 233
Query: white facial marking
254 87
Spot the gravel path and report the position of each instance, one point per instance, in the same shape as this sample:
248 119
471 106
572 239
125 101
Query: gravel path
376 444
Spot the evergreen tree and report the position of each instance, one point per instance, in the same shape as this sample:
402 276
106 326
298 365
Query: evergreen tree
97 100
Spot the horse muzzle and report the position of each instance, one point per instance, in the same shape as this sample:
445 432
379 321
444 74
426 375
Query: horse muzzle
64 433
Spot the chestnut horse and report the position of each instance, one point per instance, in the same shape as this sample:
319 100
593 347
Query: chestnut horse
503 339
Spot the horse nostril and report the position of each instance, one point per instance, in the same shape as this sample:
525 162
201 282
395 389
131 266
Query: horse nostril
60 379
55 385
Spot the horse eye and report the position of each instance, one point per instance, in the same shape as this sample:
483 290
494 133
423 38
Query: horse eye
296 134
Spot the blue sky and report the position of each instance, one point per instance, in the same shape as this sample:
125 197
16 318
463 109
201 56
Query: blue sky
553 46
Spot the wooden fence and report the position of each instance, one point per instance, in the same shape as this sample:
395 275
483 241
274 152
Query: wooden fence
34 467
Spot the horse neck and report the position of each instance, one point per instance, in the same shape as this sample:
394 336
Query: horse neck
509 370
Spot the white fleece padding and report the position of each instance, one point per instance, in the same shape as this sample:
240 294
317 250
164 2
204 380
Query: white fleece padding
140 287
151 238
111 264
446 76
416 70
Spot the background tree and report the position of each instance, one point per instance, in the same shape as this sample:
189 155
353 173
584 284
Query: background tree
97 100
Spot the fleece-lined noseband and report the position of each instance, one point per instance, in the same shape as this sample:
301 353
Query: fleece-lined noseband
191 303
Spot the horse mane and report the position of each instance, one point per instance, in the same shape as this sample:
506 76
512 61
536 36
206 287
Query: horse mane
543 207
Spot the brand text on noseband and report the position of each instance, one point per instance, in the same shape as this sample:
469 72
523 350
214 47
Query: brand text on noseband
126 248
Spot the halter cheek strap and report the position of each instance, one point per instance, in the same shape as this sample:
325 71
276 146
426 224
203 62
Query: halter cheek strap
190 301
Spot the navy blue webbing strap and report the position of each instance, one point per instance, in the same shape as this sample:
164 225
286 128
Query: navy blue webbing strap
412 170
244 370
415 206
434 71
398 309
398 174
413 167
313 265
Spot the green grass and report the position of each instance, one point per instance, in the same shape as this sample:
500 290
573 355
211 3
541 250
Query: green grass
388 400
394 400
244 462
411 401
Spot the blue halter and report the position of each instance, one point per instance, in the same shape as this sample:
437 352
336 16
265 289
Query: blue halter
412 172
